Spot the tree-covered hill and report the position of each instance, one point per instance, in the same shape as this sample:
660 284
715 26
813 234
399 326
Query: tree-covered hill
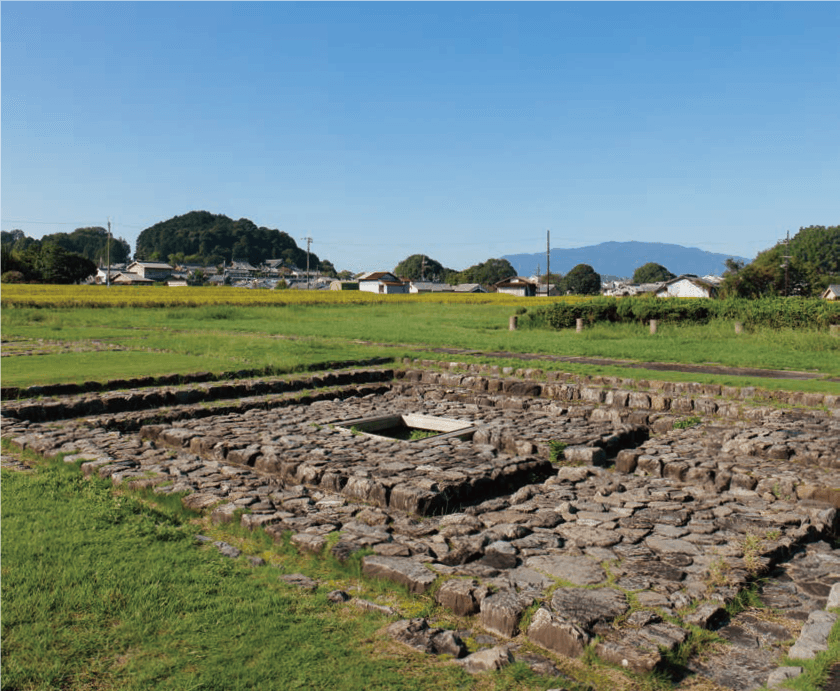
200 237
805 266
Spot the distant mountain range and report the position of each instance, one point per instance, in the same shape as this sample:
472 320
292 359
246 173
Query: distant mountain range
623 258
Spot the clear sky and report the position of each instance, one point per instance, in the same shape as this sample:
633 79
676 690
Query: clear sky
459 130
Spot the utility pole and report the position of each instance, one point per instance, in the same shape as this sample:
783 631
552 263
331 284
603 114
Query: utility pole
786 264
308 243
108 275
423 268
547 260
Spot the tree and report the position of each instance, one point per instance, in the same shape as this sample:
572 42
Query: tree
582 280
769 274
327 269
813 261
419 267
487 273
197 278
93 243
57 265
551 278
652 273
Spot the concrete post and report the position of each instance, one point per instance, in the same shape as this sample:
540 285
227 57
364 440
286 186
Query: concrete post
512 326
579 325
739 327
834 329
653 324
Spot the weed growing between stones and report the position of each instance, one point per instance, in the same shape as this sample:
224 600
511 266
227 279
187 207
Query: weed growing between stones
752 551
417 434
717 574
685 423
746 598
700 642
556 450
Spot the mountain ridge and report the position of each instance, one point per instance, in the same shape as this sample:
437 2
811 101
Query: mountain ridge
623 258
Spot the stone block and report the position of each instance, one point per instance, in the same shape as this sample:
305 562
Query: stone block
616 399
682 405
589 455
309 542
487 660
417 634
626 460
501 612
553 633
814 636
462 597
649 466
408 572
592 395
589 609
705 406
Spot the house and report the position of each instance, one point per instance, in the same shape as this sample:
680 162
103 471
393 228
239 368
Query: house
831 293
103 274
470 288
382 282
237 271
429 287
517 285
127 278
154 271
687 286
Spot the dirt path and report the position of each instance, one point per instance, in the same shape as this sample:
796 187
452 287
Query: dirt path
656 366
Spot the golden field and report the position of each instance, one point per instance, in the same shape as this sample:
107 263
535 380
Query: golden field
22 295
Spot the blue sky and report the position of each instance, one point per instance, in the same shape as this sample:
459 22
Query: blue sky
460 130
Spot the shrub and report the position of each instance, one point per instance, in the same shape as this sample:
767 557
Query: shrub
12 277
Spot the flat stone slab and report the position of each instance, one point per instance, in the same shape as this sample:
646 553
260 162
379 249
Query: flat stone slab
575 570
588 608
408 572
814 636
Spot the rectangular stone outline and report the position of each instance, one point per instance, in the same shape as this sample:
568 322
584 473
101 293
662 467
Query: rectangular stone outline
448 428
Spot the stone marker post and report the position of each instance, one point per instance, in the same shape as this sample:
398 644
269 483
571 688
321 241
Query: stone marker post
653 324
512 326
579 325
834 329
739 327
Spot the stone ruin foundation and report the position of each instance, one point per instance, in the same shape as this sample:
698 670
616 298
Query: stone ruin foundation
560 511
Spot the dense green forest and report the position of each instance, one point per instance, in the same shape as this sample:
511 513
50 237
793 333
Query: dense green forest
805 266
43 262
200 237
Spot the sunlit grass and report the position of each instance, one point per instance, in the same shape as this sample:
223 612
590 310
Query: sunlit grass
220 337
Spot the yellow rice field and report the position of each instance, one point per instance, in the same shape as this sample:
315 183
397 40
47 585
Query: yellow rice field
20 295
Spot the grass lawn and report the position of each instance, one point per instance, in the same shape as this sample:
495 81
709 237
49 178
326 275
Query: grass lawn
104 591
221 338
